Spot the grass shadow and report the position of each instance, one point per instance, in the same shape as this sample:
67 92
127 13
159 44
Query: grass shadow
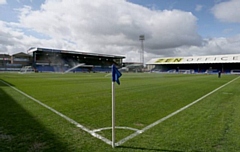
19 131
3 83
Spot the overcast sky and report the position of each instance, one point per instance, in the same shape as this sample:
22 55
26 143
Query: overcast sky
171 27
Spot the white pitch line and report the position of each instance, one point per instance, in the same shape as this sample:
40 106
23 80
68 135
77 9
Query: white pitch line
63 116
117 127
170 115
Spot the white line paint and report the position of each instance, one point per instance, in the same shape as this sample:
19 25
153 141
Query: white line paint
117 127
107 141
62 115
169 116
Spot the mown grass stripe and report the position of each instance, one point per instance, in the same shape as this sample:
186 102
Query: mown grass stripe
170 115
62 115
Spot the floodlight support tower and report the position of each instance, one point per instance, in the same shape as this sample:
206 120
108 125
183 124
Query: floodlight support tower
142 38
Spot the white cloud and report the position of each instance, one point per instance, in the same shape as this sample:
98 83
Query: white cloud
3 2
112 27
13 40
213 46
227 11
198 8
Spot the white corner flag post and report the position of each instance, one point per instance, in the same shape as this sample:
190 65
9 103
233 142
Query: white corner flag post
113 114
115 78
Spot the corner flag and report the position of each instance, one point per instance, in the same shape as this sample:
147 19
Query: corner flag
115 78
115 74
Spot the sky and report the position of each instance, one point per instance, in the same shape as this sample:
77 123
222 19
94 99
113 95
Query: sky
172 28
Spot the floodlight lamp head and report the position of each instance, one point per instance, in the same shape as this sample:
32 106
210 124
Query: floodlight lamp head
141 37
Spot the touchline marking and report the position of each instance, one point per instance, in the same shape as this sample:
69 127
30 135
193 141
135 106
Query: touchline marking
170 115
63 116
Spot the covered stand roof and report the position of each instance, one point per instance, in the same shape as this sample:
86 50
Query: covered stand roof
230 58
33 49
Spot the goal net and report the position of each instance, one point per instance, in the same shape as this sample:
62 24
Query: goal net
26 69
187 71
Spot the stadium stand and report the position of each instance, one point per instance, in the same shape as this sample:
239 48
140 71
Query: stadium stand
54 60
227 64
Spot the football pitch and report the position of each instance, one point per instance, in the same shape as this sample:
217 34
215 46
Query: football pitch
154 112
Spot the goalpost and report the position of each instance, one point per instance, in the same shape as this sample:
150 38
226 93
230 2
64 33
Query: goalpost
185 71
26 69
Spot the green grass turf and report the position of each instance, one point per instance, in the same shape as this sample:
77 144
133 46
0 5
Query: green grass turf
210 125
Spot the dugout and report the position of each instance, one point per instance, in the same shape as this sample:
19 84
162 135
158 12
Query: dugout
55 60
197 64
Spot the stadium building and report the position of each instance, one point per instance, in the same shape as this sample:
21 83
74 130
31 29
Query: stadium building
55 60
14 62
197 64
5 60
